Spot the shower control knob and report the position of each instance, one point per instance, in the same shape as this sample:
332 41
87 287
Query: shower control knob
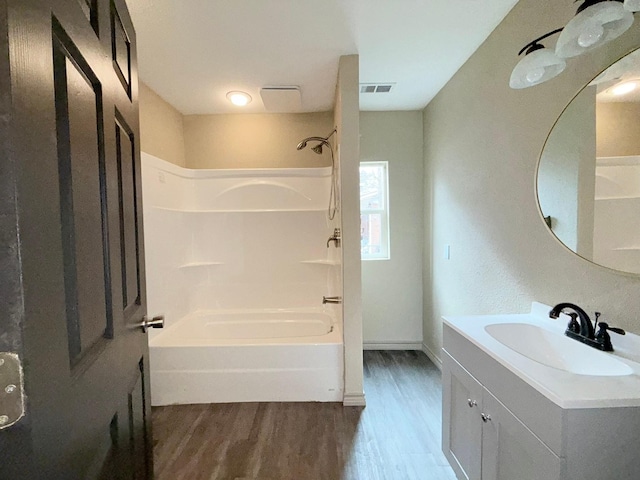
336 237
155 322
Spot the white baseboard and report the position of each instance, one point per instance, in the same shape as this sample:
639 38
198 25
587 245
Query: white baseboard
432 356
354 400
392 346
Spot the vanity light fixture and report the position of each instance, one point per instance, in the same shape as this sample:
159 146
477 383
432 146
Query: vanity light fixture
596 23
239 98
538 64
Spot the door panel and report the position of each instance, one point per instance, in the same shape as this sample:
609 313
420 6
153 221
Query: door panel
510 450
137 429
90 9
127 193
462 430
78 102
121 49
73 246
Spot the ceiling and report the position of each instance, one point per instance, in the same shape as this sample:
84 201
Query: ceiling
192 52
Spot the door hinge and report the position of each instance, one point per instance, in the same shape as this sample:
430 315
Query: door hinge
11 390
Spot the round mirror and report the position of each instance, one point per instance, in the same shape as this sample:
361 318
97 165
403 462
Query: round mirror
589 172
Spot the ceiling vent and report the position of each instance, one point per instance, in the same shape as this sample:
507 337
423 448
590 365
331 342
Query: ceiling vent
376 87
281 99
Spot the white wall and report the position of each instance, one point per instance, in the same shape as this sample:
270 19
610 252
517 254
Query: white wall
392 289
347 121
482 144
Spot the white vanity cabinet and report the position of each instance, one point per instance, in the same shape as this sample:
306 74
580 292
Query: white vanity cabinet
506 417
482 439
461 425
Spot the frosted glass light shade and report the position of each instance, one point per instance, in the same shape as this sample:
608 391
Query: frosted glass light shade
632 5
594 26
535 68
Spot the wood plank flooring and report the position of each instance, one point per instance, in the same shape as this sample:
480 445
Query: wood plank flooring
396 437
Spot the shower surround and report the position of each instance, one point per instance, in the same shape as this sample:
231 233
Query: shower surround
238 263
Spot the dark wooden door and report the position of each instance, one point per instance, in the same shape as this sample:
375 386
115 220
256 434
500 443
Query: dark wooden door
72 282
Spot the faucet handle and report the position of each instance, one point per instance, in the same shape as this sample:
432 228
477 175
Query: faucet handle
595 323
605 326
574 326
603 338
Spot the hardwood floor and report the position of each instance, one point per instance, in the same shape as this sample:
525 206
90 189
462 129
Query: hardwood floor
396 437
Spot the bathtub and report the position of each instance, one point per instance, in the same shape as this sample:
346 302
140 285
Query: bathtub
237 262
271 355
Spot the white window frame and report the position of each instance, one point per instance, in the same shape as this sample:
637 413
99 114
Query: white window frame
385 254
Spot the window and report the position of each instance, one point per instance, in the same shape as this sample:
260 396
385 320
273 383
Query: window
374 210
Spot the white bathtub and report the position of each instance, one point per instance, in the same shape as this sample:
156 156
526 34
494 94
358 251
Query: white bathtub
218 327
248 356
237 262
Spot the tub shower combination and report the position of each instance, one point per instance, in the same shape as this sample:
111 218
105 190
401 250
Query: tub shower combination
238 260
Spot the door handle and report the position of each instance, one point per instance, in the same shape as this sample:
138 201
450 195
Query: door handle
155 322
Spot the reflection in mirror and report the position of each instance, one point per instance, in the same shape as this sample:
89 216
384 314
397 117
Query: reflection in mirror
589 172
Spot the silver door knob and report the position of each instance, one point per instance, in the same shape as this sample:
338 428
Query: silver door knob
155 322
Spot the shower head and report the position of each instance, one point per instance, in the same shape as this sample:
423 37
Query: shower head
318 148
333 194
304 142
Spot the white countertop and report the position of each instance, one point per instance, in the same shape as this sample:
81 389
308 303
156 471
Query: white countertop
565 389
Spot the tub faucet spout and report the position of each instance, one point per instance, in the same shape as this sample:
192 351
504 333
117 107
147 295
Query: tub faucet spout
326 300
334 238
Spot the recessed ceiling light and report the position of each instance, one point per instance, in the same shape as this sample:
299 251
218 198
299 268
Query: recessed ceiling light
239 98
624 88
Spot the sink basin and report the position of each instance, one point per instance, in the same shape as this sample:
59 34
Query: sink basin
556 351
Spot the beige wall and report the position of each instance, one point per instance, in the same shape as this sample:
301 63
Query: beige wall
618 129
392 289
230 141
482 144
161 130
254 140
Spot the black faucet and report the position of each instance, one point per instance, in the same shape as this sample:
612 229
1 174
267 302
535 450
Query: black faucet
584 331
586 327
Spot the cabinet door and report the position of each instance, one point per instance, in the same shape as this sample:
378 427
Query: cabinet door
510 450
461 423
